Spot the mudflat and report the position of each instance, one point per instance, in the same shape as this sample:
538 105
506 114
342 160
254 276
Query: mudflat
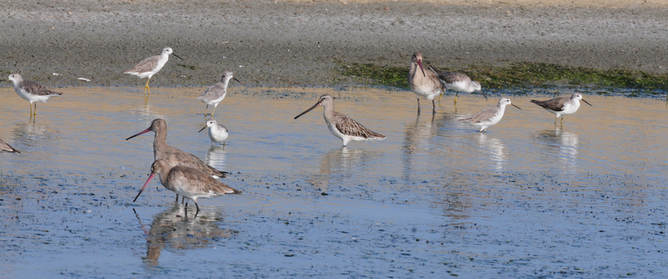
304 43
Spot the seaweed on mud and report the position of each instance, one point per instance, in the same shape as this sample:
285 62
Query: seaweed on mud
518 75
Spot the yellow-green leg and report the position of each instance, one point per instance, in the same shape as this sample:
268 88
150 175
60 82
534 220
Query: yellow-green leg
147 89
34 111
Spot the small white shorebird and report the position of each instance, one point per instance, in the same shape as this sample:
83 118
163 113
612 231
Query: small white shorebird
150 66
31 91
424 83
217 132
188 182
459 82
7 148
342 126
489 116
562 105
216 93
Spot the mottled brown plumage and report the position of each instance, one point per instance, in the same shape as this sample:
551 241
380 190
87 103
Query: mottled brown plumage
342 126
555 104
452 77
350 127
37 89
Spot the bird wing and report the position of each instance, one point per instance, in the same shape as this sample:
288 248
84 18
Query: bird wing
203 183
483 115
555 104
350 127
452 77
6 147
37 89
145 65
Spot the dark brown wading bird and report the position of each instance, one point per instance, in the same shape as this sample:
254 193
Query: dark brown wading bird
174 156
423 82
188 182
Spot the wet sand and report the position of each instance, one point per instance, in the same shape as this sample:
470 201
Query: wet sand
300 43
435 199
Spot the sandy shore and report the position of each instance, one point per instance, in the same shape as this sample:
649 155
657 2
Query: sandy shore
302 42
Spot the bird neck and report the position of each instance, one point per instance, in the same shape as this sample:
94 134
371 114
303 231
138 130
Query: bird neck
159 141
328 111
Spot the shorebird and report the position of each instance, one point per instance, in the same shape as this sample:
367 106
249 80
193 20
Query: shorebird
342 126
186 181
174 156
217 132
459 82
31 91
562 105
423 82
150 66
490 116
216 93
7 148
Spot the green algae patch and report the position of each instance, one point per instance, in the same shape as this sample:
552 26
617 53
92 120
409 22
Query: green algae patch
517 75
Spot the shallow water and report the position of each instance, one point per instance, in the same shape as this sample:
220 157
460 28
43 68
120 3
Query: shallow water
436 199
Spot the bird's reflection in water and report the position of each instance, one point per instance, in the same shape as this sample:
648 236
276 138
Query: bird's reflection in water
495 149
173 230
32 133
418 136
215 157
565 144
338 164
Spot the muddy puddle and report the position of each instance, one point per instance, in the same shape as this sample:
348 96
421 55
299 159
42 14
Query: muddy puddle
435 199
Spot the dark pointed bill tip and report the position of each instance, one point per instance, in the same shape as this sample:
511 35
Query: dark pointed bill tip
516 106
179 57
200 130
587 102
237 80
140 133
143 187
309 109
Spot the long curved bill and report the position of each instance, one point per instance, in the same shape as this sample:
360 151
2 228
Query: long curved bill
587 102
421 68
200 130
179 57
516 106
143 187
309 109
140 133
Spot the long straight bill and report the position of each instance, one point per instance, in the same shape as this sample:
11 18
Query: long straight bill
143 187
309 109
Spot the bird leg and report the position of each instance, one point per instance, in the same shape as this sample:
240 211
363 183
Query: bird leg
213 114
418 104
177 198
433 107
34 112
147 89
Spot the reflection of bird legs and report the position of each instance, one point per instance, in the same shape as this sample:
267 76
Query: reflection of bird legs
418 103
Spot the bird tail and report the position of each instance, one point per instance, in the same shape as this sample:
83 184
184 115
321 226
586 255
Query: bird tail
536 102
230 190
53 93
219 173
